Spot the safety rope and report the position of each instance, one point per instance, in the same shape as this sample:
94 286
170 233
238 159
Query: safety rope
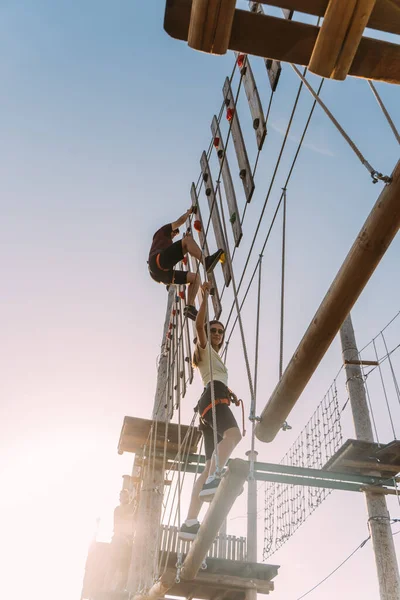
384 110
213 409
282 284
376 176
228 257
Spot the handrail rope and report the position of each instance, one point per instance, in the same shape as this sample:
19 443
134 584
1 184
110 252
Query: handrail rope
374 174
364 380
384 392
384 110
289 125
173 503
278 206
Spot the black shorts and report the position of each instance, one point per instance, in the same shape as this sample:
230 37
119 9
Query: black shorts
161 265
224 416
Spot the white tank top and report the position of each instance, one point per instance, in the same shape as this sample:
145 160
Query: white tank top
219 370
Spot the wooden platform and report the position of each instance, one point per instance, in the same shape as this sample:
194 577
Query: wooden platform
366 458
135 435
294 41
224 578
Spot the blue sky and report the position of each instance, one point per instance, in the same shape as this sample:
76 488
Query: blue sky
104 119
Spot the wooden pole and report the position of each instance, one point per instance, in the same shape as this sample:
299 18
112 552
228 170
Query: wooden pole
331 36
228 490
145 547
371 244
210 25
353 37
339 37
378 515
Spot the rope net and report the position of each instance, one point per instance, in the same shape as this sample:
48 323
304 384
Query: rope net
286 507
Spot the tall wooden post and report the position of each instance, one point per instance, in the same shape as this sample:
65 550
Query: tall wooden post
145 549
251 518
378 515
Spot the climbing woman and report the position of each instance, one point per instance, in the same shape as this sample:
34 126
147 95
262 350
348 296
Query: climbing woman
227 429
165 254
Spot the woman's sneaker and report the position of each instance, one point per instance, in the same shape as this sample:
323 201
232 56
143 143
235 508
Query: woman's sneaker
188 533
212 261
208 490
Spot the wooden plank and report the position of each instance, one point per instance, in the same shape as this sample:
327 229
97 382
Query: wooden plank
253 98
370 465
290 41
215 216
210 25
245 173
384 17
234 216
375 237
273 67
204 244
183 363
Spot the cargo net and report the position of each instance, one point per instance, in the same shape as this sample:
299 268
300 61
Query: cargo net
288 506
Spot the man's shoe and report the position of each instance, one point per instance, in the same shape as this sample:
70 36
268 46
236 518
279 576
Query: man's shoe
211 261
208 490
190 312
188 533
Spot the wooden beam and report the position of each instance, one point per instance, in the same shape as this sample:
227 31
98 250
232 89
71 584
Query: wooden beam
371 244
289 41
369 363
210 25
223 501
331 36
385 15
353 38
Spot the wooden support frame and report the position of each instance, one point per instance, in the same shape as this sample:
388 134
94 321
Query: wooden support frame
253 98
234 216
339 37
384 17
215 216
245 173
371 244
204 244
293 42
210 25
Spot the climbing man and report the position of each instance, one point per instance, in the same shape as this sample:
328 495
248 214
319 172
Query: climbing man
165 254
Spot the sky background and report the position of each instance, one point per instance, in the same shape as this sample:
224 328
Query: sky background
103 122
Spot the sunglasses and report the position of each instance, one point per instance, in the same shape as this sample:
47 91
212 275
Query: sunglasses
215 330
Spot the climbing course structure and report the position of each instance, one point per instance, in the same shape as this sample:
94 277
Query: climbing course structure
216 565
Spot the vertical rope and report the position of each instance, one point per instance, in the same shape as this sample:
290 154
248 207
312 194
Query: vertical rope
384 110
282 284
254 399
228 256
384 390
